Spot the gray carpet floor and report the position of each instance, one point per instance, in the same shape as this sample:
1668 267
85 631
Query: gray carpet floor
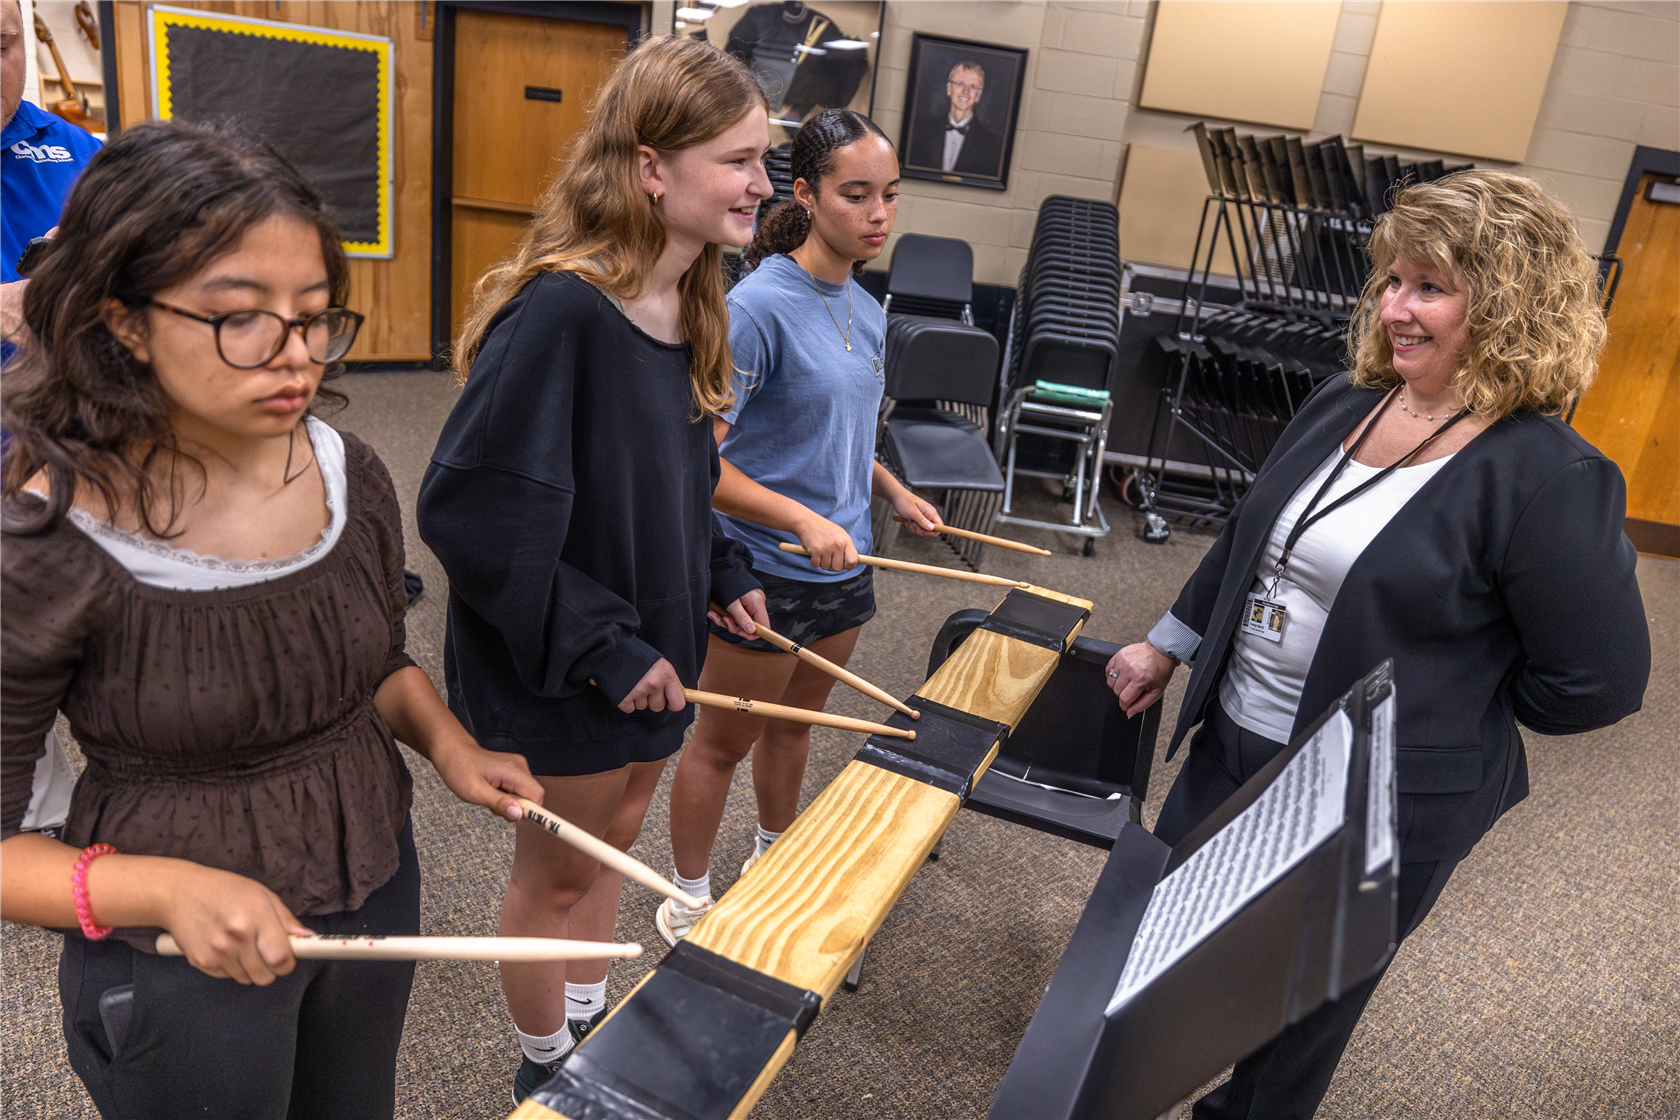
1544 984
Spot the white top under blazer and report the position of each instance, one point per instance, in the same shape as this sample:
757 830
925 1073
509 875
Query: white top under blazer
1263 681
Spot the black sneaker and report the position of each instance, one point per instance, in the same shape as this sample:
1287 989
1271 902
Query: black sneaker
532 1074
580 1028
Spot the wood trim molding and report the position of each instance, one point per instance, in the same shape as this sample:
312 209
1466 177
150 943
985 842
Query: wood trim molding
1653 538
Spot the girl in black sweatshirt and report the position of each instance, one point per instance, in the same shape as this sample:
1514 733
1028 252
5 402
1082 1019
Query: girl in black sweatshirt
569 499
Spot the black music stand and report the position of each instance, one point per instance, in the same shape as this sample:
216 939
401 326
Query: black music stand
1323 926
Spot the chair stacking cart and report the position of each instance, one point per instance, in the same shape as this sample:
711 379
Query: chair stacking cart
1063 349
1290 221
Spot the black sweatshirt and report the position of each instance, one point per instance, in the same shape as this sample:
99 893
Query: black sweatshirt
569 501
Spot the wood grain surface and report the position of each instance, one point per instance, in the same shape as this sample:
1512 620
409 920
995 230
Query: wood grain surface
997 680
809 906
1632 410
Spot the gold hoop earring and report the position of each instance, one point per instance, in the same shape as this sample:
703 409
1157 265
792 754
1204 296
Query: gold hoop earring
656 197
809 216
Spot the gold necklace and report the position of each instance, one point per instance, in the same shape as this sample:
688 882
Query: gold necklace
845 335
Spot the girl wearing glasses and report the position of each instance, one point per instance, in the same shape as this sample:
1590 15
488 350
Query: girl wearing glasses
207 581
569 498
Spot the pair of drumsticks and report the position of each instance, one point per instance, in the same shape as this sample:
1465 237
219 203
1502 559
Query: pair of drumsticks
537 949
512 949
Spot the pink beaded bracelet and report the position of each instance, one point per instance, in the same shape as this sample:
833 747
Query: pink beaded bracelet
78 891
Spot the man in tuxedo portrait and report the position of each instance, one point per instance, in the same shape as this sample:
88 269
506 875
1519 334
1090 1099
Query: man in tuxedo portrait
959 144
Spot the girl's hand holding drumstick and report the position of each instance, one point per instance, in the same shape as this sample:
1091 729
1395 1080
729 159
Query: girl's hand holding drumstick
743 617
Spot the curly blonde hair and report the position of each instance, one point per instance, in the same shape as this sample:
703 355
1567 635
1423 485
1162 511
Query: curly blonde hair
594 219
1534 322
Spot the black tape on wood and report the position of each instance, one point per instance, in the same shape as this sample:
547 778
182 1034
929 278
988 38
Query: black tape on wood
1033 618
950 745
714 1025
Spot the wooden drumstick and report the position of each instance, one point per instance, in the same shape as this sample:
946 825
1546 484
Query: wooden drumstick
984 538
366 948
626 865
845 676
783 711
925 569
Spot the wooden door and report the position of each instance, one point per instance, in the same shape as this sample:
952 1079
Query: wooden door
1632 410
523 86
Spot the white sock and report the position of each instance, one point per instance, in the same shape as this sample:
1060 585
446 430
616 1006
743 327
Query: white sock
583 1001
547 1050
765 839
694 888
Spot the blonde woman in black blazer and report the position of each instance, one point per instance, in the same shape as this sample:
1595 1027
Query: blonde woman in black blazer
1497 575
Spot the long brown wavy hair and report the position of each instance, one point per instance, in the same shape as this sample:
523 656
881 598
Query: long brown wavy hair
595 220
1534 324
154 207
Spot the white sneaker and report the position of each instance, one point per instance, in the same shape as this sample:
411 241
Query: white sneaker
675 920
752 859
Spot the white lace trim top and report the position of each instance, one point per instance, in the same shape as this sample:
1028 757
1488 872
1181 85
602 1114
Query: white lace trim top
158 564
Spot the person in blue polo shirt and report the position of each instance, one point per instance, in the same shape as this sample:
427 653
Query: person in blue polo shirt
42 157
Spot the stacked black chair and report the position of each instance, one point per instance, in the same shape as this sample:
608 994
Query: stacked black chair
1063 348
939 373
778 164
931 276
940 370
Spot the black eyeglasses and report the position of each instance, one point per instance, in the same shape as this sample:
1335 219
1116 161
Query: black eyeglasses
251 339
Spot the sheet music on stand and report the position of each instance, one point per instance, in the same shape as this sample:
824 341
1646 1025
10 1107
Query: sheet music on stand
1187 958
1297 812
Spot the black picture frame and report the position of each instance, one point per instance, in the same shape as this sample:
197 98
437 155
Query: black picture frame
983 157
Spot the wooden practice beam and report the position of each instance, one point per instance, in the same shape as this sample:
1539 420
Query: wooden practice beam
809 906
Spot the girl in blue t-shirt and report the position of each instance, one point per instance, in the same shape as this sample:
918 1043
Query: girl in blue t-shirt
799 465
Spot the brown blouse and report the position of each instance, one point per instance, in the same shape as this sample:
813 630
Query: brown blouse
235 728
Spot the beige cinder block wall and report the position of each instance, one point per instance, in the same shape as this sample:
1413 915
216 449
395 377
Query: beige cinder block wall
1614 84
1082 62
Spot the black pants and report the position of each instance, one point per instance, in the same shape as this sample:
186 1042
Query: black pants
1288 1077
318 1043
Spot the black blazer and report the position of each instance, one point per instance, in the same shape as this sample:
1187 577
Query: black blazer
1504 591
981 154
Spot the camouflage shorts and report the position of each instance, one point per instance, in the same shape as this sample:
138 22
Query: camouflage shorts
806 612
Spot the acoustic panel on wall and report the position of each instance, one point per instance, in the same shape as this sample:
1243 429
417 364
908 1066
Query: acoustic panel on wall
1461 76
321 97
1240 61
1161 199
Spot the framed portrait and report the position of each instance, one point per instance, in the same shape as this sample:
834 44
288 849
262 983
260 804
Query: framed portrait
959 113
806 57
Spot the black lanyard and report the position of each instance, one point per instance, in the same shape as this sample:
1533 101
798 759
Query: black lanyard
1305 522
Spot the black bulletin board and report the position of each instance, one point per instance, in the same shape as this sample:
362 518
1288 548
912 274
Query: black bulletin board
321 97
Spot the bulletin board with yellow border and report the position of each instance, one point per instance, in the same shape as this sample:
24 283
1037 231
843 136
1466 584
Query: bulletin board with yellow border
320 97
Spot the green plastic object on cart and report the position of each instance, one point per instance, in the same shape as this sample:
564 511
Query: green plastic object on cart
1068 394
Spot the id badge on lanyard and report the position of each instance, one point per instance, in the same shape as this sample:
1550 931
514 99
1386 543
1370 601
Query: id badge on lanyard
1263 617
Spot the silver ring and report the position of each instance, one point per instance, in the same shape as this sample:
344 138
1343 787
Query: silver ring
1113 674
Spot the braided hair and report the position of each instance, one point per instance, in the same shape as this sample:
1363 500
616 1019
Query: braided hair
815 146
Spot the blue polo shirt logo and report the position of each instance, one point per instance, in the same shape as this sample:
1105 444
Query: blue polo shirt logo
40 157
46 153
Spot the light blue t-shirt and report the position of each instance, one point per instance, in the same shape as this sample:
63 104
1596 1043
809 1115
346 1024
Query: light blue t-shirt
805 410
